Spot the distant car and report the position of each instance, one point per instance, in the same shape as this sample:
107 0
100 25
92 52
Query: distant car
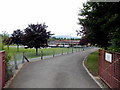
67 46
64 46
60 45
77 46
52 45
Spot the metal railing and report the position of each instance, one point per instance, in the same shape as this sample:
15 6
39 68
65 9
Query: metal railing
2 69
109 72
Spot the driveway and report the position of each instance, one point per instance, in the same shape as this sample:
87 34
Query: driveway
65 71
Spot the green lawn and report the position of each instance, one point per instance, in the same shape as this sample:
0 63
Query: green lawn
30 53
92 63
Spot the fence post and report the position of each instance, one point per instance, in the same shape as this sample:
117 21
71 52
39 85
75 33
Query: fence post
15 61
99 59
53 53
41 54
2 69
62 51
23 57
83 49
68 51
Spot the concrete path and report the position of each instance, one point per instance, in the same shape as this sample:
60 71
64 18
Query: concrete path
65 71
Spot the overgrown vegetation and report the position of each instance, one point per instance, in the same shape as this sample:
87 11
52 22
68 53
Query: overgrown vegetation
92 63
3 41
8 70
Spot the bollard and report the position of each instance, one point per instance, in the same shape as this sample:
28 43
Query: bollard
72 50
15 61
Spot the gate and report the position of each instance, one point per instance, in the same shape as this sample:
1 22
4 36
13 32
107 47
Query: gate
109 68
2 69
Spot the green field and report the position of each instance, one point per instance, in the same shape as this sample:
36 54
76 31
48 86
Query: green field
30 53
92 63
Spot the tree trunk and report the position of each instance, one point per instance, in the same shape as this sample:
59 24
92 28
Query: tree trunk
17 48
36 51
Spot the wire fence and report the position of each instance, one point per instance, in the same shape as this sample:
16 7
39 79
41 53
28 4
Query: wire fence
109 70
23 57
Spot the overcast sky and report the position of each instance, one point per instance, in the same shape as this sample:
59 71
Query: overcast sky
60 15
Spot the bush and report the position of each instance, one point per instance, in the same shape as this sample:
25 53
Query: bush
114 48
8 70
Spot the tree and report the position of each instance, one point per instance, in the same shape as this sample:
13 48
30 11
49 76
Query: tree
52 39
83 41
64 38
7 41
100 21
36 36
4 39
17 38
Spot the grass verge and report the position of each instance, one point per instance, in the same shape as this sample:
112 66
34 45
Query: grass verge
30 53
91 63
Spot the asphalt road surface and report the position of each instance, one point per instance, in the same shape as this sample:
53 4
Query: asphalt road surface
65 71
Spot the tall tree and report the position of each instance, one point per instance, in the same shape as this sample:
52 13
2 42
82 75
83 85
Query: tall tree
100 21
83 41
36 35
17 38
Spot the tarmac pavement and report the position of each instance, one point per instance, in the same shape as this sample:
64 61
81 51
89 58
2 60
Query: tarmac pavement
64 71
